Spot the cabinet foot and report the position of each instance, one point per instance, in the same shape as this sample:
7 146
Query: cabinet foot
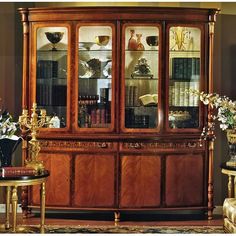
117 216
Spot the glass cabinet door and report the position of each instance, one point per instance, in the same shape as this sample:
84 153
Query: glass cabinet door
184 73
51 74
95 76
141 74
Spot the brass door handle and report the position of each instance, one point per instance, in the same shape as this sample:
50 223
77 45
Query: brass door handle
102 145
135 145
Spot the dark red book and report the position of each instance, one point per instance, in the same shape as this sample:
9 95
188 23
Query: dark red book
17 171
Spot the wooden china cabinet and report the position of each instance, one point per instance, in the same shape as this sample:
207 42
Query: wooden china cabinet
123 134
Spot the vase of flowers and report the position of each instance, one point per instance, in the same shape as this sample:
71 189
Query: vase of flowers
224 111
9 140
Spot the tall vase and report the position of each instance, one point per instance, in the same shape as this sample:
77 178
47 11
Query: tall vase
7 148
231 137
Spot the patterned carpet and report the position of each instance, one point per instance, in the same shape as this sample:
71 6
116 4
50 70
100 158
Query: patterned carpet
137 229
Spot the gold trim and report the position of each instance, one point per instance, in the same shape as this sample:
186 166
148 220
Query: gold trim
211 27
14 199
229 172
22 182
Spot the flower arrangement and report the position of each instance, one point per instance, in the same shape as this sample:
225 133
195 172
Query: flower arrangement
8 128
224 107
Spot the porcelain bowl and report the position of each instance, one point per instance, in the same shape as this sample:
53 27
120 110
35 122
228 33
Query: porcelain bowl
86 45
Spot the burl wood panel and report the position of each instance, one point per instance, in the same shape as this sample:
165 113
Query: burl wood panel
140 181
94 183
58 184
184 180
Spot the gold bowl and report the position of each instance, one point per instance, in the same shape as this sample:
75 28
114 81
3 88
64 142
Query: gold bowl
102 40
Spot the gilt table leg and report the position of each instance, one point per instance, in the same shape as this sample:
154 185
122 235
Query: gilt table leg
230 187
8 196
42 206
24 202
14 200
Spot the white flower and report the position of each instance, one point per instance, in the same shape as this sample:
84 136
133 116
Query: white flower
222 105
223 126
8 127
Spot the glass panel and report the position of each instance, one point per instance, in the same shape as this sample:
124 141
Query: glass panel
95 76
51 74
141 76
184 73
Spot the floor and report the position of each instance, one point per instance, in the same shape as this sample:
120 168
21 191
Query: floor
100 219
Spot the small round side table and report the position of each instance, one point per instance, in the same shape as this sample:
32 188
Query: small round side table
11 183
231 172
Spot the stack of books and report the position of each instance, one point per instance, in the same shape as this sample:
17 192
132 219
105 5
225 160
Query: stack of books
47 69
131 96
185 68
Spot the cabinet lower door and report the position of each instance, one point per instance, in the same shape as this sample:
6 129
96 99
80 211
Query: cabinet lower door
94 180
184 180
140 181
58 184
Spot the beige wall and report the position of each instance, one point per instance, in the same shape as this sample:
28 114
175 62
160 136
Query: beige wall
224 61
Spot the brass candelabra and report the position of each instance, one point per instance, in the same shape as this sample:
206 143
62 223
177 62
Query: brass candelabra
33 123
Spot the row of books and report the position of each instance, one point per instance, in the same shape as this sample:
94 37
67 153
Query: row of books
95 117
185 68
51 95
47 69
131 96
178 95
135 121
88 99
17 171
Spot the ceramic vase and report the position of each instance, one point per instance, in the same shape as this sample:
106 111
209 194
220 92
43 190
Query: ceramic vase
231 137
7 148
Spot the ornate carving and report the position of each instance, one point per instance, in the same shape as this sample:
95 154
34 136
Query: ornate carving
211 27
25 28
68 144
163 145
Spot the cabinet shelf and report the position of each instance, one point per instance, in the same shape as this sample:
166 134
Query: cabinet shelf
183 51
142 78
184 80
142 106
146 50
52 106
184 107
95 50
51 51
91 78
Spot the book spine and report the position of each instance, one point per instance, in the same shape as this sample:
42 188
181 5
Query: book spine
186 94
196 99
170 95
103 116
191 97
131 96
181 93
177 93
17 171
93 116
98 116
135 95
127 93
